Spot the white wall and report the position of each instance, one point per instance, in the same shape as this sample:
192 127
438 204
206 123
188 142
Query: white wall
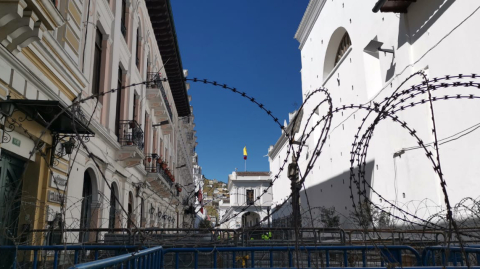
435 36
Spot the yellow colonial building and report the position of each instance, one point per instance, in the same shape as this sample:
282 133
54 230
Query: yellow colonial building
96 123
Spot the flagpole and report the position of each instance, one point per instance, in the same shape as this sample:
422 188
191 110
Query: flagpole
245 165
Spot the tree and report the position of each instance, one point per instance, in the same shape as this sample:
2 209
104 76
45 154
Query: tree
205 223
365 215
329 217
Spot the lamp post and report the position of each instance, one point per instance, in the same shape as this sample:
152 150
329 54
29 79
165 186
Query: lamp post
295 187
7 107
268 214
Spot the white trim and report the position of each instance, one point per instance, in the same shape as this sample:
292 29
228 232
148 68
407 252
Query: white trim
308 21
337 66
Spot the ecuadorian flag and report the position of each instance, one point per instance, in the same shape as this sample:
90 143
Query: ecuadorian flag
245 153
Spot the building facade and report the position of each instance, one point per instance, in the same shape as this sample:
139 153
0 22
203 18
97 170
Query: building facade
120 158
244 209
339 44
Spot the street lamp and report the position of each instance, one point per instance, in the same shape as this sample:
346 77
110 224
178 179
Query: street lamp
7 107
268 215
69 145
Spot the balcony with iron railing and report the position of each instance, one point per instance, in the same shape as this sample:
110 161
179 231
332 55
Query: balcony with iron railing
157 97
131 139
159 174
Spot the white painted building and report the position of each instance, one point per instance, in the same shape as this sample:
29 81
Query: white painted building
431 36
278 159
244 188
198 180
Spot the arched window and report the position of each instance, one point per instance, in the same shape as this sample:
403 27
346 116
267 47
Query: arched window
338 46
345 43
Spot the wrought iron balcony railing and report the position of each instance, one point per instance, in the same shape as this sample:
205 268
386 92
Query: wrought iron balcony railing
131 134
154 164
155 82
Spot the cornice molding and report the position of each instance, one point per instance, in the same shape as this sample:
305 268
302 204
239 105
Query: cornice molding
308 21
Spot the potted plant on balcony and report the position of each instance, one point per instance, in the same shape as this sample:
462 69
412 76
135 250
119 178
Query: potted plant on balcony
179 189
132 124
172 178
149 159
164 166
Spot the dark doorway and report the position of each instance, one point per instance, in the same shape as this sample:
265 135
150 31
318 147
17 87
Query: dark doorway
130 210
86 213
11 169
113 207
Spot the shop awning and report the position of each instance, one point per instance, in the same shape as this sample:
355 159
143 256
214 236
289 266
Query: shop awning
63 121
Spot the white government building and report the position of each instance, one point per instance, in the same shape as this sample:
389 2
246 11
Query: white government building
244 209
436 37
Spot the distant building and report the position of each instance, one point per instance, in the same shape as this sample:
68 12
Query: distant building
244 188
198 180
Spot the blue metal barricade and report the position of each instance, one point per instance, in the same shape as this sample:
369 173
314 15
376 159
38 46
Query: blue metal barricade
31 257
247 255
441 255
145 259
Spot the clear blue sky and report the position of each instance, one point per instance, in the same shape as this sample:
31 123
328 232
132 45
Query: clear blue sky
245 44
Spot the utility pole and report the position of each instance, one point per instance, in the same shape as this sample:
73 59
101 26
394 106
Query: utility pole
295 186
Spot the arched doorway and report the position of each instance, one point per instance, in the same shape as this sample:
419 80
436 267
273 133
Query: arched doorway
130 210
113 206
11 169
86 211
250 219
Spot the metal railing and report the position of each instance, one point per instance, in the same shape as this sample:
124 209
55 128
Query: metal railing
445 256
43 234
285 236
55 256
153 166
145 259
263 257
395 236
128 256
131 134
156 82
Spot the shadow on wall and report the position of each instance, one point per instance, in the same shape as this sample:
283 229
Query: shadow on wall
420 17
281 216
334 192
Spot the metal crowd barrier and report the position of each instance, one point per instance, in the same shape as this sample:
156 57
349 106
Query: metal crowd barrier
387 254
145 259
90 256
31 260
431 256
